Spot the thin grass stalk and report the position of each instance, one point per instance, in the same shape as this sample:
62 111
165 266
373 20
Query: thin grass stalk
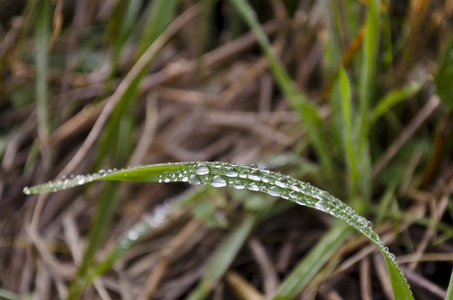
366 87
308 113
224 257
42 33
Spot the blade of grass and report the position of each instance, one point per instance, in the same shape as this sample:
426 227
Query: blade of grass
444 75
7 295
349 137
450 288
370 47
161 12
121 25
308 113
99 223
394 97
313 261
42 35
241 177
223 257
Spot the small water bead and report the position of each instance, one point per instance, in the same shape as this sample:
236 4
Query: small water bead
132 235
26 191
321 205
202 169
282 182
295 187
231 172
255 175
284 194
392 256
293 194
238 184
80 179
362 221
273 191
194 180
244 173
253 186
218 181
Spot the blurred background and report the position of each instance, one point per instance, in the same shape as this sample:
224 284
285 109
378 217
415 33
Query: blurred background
352 96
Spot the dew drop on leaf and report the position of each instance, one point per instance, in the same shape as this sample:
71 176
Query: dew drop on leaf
202 169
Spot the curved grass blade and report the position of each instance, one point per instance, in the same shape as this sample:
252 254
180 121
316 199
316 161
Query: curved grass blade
219 174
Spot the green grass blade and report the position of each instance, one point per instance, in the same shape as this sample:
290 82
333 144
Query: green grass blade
308 113
121 26
366 84
313 262
394 97
7 295
450 288
445 74
349 136
100 221
223 257
42 33
161 12
219 175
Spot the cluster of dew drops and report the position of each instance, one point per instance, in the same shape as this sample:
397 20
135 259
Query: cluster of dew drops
68 182
260 179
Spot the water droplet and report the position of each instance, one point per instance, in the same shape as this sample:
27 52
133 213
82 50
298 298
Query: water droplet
218 181
274 191
255 175
392 256
295 188
255 166
202 169
167 179
238 184
231 172
244 174
132 235
254 187
80 179
26 191
284 194
362 221
194 180
293 194
370 224
282 182
321 205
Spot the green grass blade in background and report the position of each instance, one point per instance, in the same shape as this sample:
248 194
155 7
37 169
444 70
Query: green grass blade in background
223 257
308 113
42 33
223 174
121 25
394 97
450 288
96 235
309 267
366 89
445 74
349 136
161 12
7 295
